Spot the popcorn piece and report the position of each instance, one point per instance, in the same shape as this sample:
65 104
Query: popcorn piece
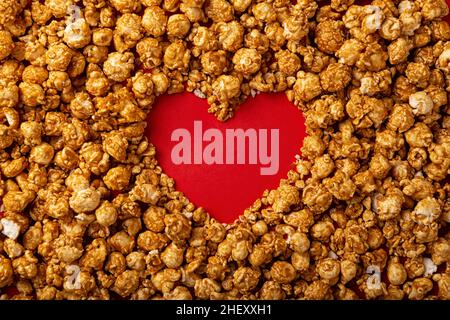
6 44
372 22
443 62
219 11
335 77
396 273
427 211
86 200
178 25
374 280
433 9
230 36
430 267
247 61
391 29
118 66
6 272
329 36
10 228
307 87
284 197
226 87
177 56
77 33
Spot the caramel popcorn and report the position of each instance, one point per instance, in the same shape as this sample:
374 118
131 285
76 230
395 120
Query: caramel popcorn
86 212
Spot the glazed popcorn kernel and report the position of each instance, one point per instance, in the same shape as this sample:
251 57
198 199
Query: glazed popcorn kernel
247 61
329 36
178 25
118 66
307 86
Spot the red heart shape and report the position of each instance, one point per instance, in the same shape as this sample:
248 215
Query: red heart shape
226 190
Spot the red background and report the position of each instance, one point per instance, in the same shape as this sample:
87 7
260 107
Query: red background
225 190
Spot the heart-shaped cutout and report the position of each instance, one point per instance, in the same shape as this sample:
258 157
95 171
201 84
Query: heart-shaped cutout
272 128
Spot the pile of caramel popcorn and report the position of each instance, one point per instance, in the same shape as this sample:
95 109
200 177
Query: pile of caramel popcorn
87 213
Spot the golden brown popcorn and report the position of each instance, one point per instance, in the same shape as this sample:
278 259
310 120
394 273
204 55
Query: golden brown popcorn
247 61
349 52
122 242
421 103
419 136
379 166
443 62
282 272
307 87
372 20
58 57
440 251
274 33
401 118
264 11
125 6
86 200
178 227
295 26
17 201
329 269
329 36
245 279
374 57
399 50
26 265
118 66
146 193
205 287
116 144
349 270
283 198
219 10
317 198
150 52
102 37
178 25
42 154
31 94
6 272
177 56
117 178
193 10
335 77
418 74
77 33
214 62
230 35
172 256
126 283
318 290
418 288
340 186
97 83
376 83
226 87
434 9
388 206
6 44
75 133
96 159
9 95
288 62
391 28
